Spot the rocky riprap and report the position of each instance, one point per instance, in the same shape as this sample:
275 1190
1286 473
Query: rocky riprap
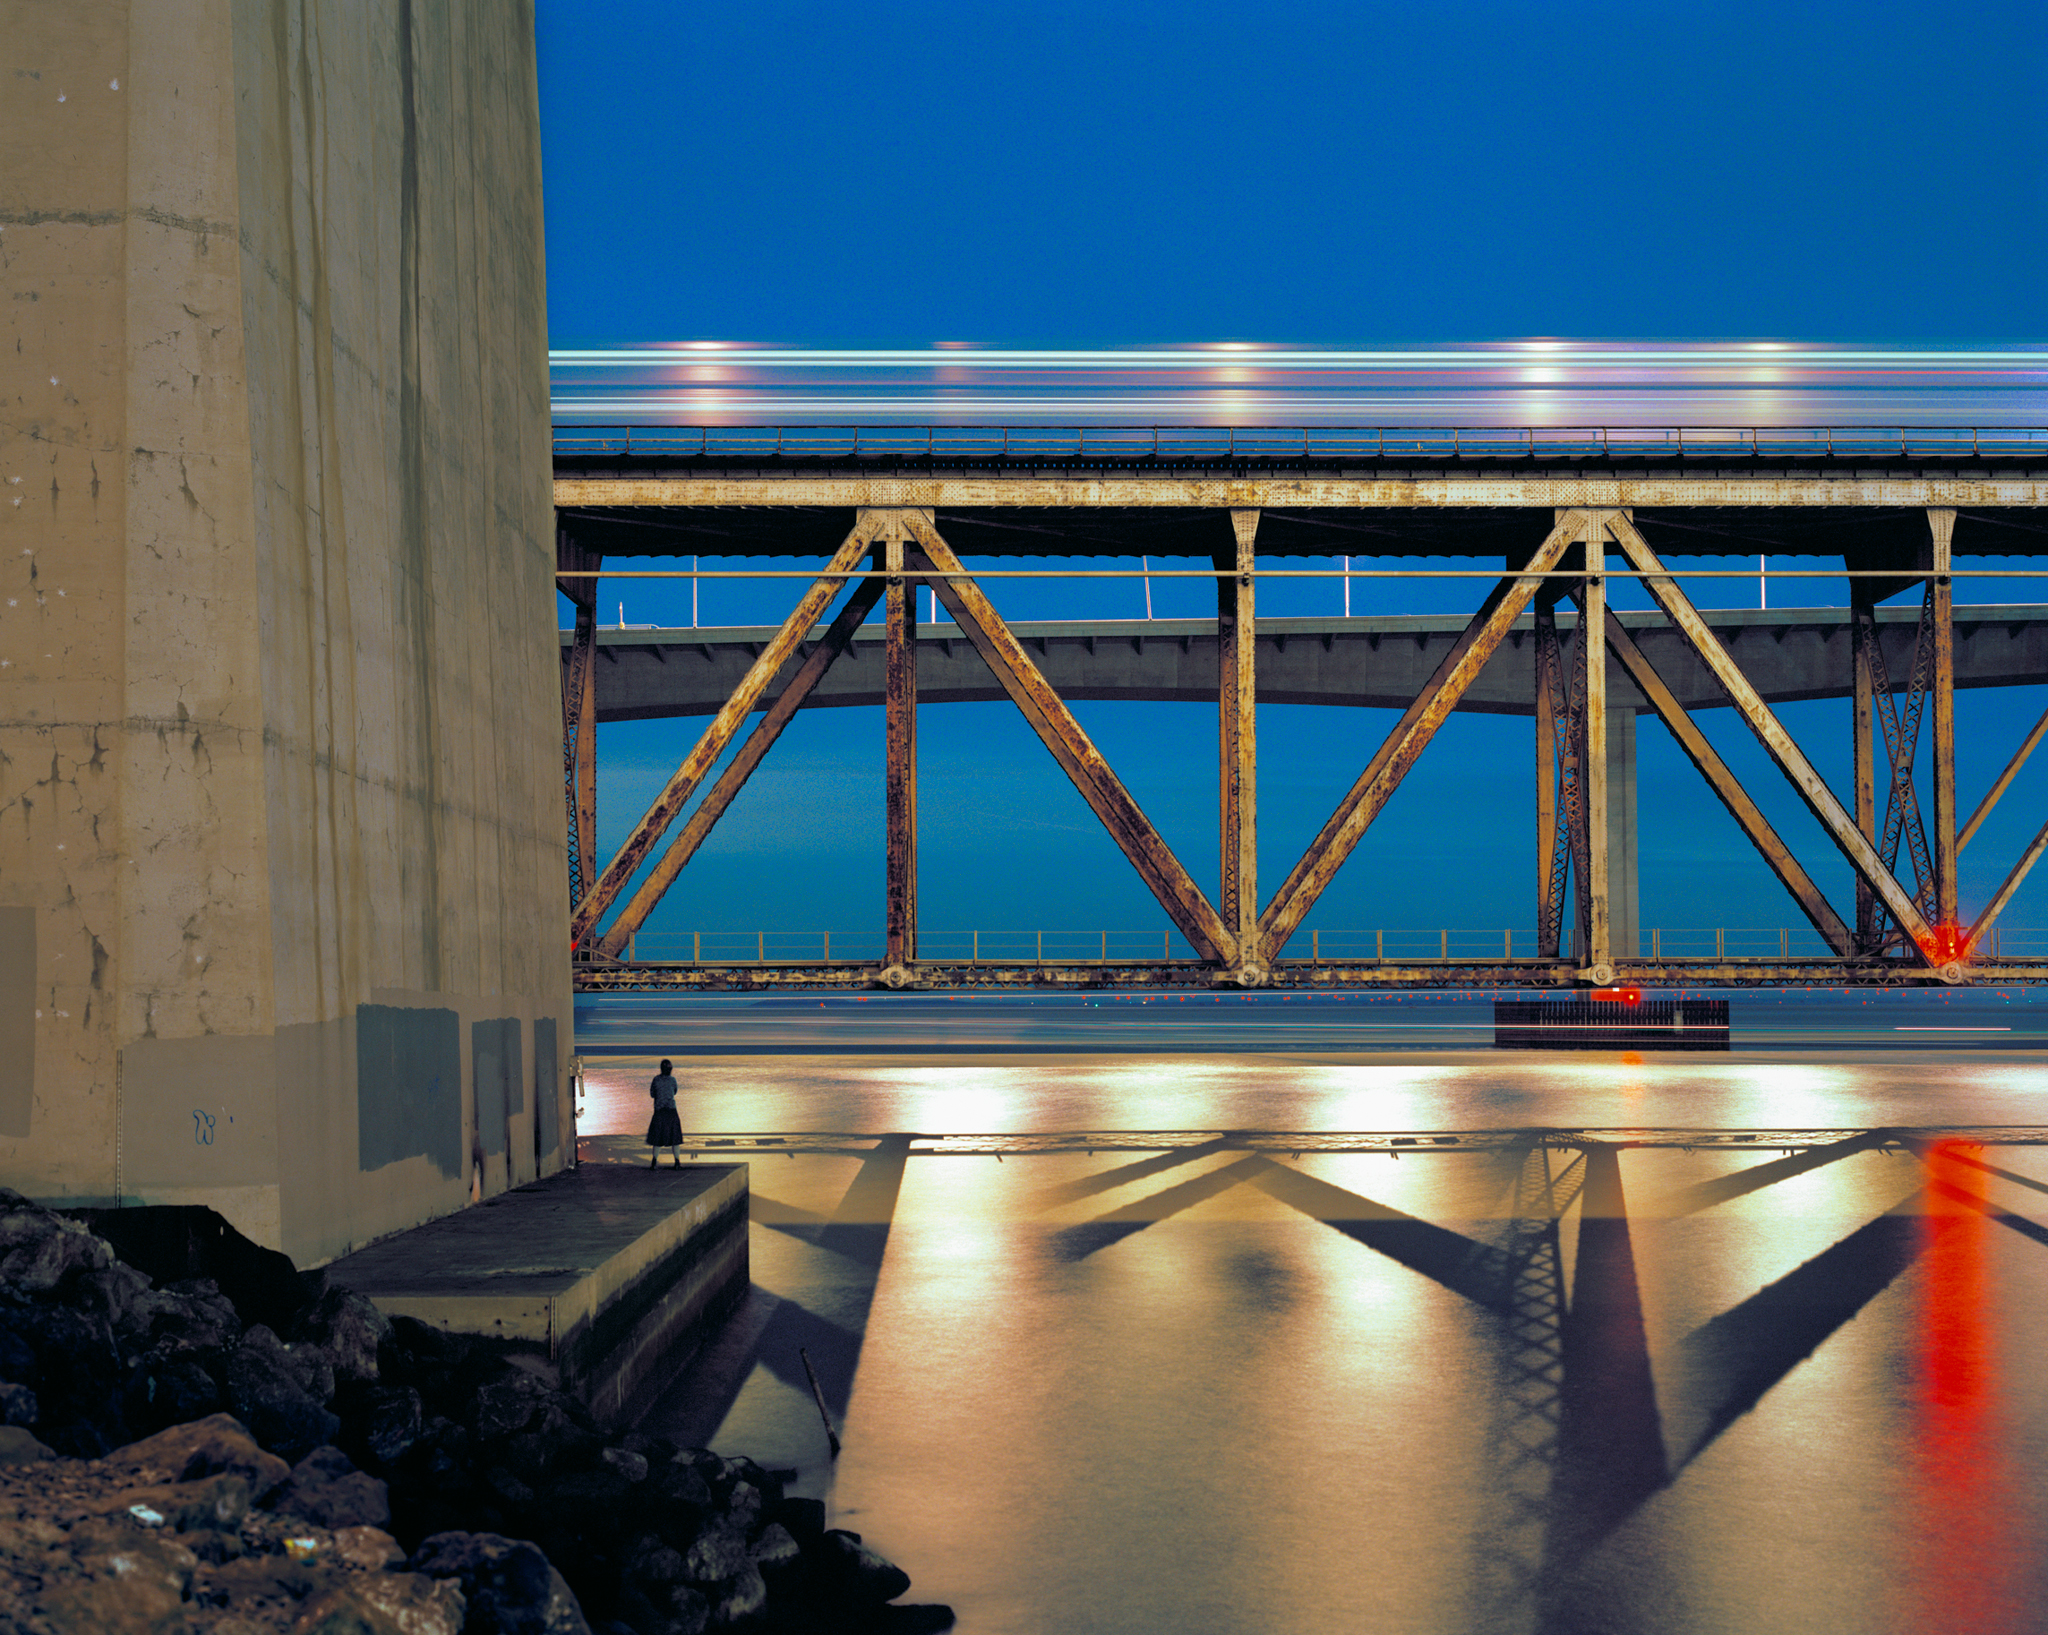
164 1454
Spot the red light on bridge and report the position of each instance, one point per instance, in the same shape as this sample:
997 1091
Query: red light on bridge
1618 996
1945 944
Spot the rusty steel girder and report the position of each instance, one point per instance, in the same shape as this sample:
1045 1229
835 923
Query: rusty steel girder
1240 944
853 976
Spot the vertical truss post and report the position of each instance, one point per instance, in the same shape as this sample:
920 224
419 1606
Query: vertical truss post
899 700
1238 761
1862 640
1776 742
1947 915
1591 658
1550 862
767 665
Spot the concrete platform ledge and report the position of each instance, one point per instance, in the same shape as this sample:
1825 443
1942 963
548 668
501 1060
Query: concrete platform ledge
607 1270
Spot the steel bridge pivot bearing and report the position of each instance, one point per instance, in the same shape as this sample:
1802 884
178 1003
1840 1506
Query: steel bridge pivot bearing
896 976
1250 974
1953 974
1598 976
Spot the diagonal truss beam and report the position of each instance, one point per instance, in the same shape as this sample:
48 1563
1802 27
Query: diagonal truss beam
1411 735
1996 906
2005 778
734 778
1076 753
1777 742
649 830
1725 784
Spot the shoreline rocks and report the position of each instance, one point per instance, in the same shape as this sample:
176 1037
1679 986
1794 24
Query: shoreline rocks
446 1460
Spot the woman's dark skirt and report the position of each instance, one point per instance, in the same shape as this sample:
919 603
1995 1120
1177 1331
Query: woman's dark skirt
665 1129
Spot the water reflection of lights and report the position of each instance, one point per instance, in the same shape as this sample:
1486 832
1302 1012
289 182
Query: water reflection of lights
1967 1492
1535 382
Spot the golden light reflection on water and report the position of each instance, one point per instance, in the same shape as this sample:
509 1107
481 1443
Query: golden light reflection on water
1226 1391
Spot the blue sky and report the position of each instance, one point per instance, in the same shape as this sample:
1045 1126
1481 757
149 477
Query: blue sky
1110 175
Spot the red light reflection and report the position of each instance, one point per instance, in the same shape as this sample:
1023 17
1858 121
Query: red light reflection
1618 996
1963 1490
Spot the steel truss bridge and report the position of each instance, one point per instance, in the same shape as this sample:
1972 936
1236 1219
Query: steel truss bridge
1560 518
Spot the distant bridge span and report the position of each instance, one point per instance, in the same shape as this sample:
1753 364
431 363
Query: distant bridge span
1380 663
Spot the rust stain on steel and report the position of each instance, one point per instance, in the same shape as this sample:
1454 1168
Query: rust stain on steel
718 734
1724 784
1591 656
1996 906
1777 742
741 767
579 752
1401 493
899 705
2005 779
1076 753
1941 522
1411 734
1298 974
1237 757
1862 715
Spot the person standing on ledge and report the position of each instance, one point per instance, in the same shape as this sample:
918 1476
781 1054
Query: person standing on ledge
664 1129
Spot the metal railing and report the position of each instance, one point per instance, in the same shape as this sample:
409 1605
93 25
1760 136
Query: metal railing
1313 945
1199 445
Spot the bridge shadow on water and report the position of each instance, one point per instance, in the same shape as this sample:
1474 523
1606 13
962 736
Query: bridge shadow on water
1593 1417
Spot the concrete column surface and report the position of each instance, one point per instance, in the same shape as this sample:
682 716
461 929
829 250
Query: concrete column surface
279 707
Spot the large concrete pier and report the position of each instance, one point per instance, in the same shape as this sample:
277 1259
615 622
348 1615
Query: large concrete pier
281 830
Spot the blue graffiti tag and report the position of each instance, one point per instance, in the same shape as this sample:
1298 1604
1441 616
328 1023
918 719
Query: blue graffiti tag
202 1128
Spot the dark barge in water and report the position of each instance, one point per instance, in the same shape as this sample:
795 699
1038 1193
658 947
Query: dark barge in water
1610 1019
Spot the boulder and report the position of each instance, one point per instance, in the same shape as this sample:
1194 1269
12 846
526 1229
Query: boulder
743 1506
326 1489
631 1465
130 1584
775 1552
509 1586
194 1313
18 1404
121 1295
506 1405
350 1330
18 1447
688 1612
738 1598
186 1453
385 1604
387 1421
265 1393
171 1388
212 1504
717 1553
39 1249
370 1548
856 1572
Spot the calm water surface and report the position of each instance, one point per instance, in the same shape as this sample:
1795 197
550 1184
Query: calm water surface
1211 1385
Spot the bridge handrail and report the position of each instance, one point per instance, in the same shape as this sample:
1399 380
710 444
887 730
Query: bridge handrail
1165 445
1408 946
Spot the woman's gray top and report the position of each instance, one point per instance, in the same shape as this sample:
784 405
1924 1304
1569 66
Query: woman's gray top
663 1090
